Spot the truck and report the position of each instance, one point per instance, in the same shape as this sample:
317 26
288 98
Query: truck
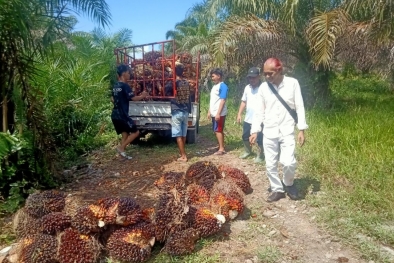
153 70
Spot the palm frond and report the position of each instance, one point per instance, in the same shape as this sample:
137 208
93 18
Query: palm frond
356 47
98 10
242 36
322 33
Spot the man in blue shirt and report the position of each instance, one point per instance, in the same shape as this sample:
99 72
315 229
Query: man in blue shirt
217 107
121 95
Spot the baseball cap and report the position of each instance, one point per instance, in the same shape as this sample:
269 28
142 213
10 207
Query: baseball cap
253 72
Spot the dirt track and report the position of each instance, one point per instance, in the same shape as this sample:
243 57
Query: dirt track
285 230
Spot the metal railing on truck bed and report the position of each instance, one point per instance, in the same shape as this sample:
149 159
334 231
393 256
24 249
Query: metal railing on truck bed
153 68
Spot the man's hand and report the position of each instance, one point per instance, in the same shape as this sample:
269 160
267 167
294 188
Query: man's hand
217 117
239 119
253 138
144 94
301 138
209 115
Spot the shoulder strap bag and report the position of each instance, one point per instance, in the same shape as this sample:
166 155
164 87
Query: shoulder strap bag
292 112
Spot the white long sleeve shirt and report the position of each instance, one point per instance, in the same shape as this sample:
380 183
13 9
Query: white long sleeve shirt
253 102
276 119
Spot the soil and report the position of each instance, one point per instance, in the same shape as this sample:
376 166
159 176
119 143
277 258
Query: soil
283 231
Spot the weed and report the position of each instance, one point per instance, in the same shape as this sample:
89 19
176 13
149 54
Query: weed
269 254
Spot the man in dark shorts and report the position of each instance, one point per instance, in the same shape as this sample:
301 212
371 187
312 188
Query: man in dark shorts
180 109
121 95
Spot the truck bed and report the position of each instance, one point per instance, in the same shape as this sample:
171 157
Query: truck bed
156 115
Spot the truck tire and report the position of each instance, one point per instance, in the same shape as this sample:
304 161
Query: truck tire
191 135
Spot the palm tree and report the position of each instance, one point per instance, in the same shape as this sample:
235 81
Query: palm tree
29 30
304 33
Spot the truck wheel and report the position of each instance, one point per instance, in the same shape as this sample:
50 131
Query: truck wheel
191 135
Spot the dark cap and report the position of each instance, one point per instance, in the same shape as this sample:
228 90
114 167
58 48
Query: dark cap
253 72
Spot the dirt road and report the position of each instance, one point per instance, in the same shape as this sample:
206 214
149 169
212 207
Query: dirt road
284 231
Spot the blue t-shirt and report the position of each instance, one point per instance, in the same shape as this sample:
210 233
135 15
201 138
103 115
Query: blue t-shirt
122 94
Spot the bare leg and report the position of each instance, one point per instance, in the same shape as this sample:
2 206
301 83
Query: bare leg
181 146
127 139
220 137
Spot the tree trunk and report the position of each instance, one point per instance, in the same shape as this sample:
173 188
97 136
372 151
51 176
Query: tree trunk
5 114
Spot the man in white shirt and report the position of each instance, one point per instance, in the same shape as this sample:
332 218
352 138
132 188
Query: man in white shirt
250 100
217 107
278 131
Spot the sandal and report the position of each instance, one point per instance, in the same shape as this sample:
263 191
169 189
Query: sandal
123 154
220 153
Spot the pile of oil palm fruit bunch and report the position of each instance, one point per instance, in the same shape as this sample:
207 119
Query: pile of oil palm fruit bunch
153 72
190 206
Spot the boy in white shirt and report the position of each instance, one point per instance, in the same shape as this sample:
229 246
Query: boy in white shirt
250 101
217 107
278 131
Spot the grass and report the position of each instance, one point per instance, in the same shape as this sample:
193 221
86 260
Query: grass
350 151
348 157
269 254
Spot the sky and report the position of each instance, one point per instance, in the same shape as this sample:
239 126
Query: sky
148 19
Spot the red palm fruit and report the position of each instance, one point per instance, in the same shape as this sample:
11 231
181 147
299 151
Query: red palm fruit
237 176
170 180
25 225
40 204
54 223
182 242
198 195
76 247
131 244
205 221
39 248
227 199
203 173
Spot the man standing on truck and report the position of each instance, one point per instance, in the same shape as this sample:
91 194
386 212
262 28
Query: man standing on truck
251 101
121 95
180 109
218 108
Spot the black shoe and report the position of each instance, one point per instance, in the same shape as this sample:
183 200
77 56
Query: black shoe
275 196
292 192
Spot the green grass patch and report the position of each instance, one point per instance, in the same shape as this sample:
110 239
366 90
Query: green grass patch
348 158
350 151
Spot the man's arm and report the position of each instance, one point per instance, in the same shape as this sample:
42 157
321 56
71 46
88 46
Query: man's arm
299 105
142 96
258 118
241 109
